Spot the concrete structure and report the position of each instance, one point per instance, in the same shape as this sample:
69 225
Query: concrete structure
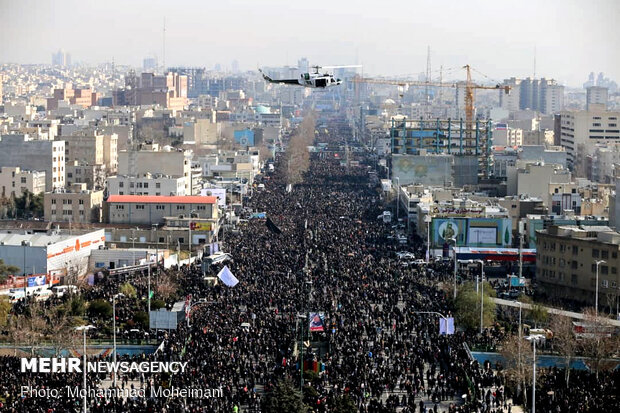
168 91
597 98
547 154
91 175
14 181
505 136
74 205
53 253
533 179
146 185
149 210
201 132
61 58
150 159
582 130
28 154
566 263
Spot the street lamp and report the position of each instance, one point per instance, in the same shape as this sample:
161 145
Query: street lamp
599 262
533 340
428 219
114 328
397 198
191 213
84 329
455 262
481 292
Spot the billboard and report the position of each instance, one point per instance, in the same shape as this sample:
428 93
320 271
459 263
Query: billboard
474 232
443 229
37 281
426 170
477 235
201 226
219 193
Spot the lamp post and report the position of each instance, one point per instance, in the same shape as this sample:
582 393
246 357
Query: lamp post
84 329
481 293
599 262
397 198
428 219
533 340
114 327
455 262
191 213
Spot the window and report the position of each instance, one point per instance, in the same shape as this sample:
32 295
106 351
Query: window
82 212
574 265
139 206
23 180
614 255
605 284
575 250
53 202
81 202
595 253
573 279
157 185
604 269
180 207
131 184
604 254
593 268
120 207
160 207
201 207
181 240
121 184
614 270
146 185
161 239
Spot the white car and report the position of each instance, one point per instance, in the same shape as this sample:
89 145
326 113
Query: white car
405 255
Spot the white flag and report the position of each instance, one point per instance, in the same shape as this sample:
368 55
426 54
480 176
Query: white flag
227 277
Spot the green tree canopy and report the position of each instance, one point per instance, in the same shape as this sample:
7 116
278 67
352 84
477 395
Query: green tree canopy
468 306
284 399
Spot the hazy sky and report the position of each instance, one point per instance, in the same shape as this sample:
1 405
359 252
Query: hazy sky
572 37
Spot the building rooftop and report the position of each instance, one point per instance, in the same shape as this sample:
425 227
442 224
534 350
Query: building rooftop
37 239
153 199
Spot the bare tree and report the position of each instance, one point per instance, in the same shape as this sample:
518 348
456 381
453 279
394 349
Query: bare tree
564 341
519 357
297 156
598 343
165 286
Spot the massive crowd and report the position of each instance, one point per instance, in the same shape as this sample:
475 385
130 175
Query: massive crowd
333 256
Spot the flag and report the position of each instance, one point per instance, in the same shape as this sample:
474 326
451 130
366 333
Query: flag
272 227
227 277
151 293
446 325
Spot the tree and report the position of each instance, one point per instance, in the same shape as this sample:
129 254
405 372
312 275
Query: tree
6 270
284 399
128 290
141 319
5 309
539 314
598 344
59 329
157 304
518 356
344 404
100 309
468 306
166 287
297 156
564 341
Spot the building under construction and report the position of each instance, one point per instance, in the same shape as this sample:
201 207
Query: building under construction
421 146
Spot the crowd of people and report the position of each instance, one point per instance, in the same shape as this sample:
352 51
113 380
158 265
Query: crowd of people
379 345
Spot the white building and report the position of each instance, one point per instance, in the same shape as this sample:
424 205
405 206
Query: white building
147 184
14 181
55 252
582 130
506 136
28 154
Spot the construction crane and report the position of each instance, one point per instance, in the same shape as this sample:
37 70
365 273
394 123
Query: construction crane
469 90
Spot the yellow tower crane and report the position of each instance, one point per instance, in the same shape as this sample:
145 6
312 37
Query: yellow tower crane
469 90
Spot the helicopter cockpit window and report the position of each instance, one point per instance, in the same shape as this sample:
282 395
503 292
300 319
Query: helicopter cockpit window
307 76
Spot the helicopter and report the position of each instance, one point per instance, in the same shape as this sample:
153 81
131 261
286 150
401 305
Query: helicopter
314 79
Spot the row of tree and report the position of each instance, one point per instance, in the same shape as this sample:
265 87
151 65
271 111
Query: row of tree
297 155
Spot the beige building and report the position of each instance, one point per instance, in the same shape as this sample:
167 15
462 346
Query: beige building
533 179
151 159
566 263
75 205
150 210
110 152
14 181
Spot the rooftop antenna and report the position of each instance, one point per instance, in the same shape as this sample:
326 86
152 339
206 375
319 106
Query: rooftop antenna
164 46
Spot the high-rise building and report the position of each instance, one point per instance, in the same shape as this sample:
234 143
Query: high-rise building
542 95
581 130
149 63
596 98
61 58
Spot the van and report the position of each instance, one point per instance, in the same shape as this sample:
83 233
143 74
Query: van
217 257
42 295
16 295
61 290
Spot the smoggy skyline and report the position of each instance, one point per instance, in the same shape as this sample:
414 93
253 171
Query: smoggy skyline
571 38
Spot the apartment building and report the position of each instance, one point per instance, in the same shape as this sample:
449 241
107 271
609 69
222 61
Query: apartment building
149 210
566 263
15 181
29 154
76 204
